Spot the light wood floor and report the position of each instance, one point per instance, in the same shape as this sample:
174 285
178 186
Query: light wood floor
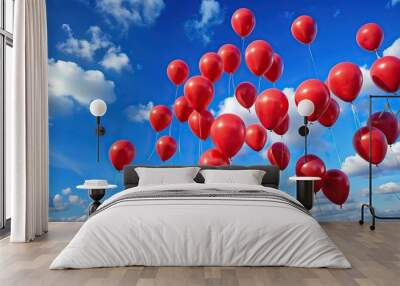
375 257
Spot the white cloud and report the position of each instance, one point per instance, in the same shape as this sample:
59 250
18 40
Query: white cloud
115 60
67 79
389 188
393 49
66 191
210 14
138 113
231 105
73 199
392 3
356 166
368 86
132 12
60 105
84 48
337 13
289 14
325 210
57 204
57 199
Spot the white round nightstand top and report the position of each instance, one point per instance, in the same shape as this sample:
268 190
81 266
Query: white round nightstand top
96 185
299 178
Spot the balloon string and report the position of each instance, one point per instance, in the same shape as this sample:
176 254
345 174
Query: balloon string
259 85
268 138
179 140
154 147
388 105
273 85
395 156
283 148
229 84
317 202
335 145
313 61
199 154
355 116
376 53
242 45
172 121
233 82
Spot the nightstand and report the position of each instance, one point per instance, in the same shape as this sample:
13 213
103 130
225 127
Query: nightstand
97 190
305 190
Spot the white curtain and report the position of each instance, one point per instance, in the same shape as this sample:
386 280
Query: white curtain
27 124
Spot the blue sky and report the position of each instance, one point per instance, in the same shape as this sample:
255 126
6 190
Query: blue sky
119 50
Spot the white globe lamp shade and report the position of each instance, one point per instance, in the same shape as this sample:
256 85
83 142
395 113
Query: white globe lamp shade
98 107
305 107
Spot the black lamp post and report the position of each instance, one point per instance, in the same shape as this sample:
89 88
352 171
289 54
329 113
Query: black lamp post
303 131
305 108
98 108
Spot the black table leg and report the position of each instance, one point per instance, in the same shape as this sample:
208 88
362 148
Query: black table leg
305 193
96 195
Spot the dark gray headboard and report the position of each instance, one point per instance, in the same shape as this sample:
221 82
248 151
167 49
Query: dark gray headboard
271 177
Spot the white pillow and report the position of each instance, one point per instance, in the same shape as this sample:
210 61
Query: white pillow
166 176
247 177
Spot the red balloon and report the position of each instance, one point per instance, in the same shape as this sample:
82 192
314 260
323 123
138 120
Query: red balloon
231 57
182 109
331 114
200 123
243 22
121 153
177 71
361 141
276 69
370 36
313 166
271 107
336 186
304 29
211 66
282 126
387 123
213 157
166 147
160 117
345 81
279 155
316 91
259 57
199 92
228 133
385 72
246 94
256 136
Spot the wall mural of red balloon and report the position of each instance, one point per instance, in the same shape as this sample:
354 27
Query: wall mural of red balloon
231 89
228 132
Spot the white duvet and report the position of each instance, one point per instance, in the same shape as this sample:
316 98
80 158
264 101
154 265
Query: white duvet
200 231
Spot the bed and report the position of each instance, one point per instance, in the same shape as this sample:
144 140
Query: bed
201 224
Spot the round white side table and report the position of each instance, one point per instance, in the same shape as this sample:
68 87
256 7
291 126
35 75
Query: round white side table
97 190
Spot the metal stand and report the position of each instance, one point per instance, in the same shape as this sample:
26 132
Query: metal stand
370 205
96 195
